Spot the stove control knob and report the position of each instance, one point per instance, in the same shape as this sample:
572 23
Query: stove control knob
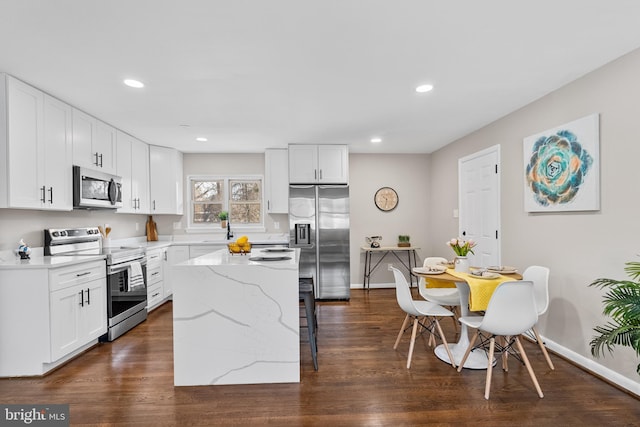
63 233
55 234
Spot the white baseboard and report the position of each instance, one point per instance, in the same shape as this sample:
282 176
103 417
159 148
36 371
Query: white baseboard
594 367
586 363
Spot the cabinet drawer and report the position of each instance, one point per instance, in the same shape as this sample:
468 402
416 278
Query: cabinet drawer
154 275
61 278
154 258
154 295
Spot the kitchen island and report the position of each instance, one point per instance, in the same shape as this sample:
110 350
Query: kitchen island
236 319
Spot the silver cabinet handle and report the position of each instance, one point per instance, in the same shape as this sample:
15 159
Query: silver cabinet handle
81 297
83 274
88 296
96 162
100 159
321 174
51 195
43 199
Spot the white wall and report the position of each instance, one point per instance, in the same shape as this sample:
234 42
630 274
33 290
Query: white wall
580 246
408 174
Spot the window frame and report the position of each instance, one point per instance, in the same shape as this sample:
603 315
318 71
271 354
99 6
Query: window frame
215 227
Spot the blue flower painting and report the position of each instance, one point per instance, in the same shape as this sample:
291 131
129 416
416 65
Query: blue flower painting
560 168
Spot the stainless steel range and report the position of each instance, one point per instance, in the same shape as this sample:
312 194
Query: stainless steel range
126 274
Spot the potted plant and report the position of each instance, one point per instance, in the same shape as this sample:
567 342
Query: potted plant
622 304
403 241
223 216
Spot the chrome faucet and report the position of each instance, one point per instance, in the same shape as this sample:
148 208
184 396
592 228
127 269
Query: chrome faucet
229 232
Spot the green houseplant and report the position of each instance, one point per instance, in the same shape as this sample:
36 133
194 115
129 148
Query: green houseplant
622 304
404 240
223 216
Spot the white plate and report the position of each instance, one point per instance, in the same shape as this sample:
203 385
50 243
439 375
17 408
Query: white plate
486 275
502 269
436 269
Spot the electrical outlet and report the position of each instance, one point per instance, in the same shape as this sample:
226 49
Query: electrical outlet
276 225
137 226
389 266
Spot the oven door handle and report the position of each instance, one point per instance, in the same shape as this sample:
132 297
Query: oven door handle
122 267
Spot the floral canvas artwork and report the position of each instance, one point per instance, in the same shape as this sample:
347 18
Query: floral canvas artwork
561 168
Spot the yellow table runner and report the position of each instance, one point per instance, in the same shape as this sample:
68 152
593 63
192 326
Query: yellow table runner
481 289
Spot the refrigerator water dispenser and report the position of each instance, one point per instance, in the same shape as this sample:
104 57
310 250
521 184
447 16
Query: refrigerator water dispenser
303 235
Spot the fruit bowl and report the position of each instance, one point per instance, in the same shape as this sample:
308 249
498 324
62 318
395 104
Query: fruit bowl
238 249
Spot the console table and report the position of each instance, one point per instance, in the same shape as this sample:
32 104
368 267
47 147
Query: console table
410 262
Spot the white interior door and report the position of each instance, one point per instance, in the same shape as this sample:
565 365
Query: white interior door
479 204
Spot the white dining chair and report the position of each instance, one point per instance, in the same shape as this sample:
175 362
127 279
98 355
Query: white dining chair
448 297
511 311
416 310
540 278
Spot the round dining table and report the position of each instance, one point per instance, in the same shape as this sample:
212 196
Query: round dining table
477 358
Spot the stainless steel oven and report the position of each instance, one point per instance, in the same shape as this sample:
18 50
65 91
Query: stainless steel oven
126 274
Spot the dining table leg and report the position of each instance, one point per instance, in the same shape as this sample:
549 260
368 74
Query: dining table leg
477 358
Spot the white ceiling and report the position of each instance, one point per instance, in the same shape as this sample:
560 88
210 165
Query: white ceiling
250 75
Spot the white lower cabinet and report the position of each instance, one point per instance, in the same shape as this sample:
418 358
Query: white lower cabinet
49 315
156 278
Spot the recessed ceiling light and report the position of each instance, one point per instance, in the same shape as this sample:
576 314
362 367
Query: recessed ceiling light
376 140
201 139
424 88
134 83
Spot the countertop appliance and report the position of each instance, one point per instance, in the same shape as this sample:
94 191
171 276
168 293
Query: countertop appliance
126 274
319 226
96 190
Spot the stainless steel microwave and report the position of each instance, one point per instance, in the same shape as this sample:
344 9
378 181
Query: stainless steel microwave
96 190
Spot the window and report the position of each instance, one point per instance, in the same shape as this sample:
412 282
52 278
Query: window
240 196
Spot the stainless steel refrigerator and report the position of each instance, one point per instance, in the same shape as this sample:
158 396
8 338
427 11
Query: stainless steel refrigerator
319 226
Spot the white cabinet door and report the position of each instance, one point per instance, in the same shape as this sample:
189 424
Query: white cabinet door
104 145
123 170
94 143
303 164
318 164
165 180
65 321
333 164
26 188
58 154
140 175
94 310
277 180
83 133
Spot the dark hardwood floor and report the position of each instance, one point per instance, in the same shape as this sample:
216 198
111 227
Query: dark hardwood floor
362 381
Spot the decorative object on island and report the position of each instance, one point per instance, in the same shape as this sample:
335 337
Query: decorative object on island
152 230
403 241
223 216
374 241
23 250
386 199
240 246
462 248
622 304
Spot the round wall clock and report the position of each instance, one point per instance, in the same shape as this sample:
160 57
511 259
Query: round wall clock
386 199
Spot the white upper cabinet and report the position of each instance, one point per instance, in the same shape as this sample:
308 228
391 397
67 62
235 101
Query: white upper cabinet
94 143
276 185
35 148
318 164
165 165
133 166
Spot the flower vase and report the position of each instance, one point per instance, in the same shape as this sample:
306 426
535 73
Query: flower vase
223 223
461 264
